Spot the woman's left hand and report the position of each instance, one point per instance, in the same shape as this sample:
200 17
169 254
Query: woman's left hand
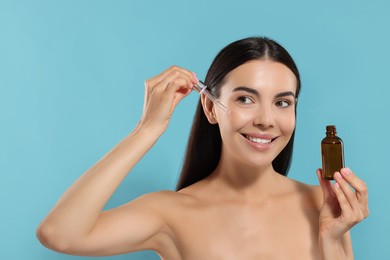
345 204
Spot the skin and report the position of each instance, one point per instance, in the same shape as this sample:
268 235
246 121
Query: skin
243 210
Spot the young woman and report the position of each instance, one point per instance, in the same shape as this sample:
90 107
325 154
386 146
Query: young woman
234 200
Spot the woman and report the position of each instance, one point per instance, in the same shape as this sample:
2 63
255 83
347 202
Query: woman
234 200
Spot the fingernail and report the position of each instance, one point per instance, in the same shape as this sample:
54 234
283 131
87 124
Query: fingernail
344 171
338 175
196 78
348 171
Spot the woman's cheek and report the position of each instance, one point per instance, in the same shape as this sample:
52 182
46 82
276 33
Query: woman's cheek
238 118
287 122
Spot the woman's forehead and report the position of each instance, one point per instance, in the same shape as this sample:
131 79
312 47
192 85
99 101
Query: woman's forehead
262 75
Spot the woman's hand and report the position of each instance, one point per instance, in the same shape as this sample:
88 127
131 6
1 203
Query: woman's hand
162 93
345 205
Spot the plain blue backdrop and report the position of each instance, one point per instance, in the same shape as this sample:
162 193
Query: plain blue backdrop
71 87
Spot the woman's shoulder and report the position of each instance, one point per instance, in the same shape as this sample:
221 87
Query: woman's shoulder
161 200
308 192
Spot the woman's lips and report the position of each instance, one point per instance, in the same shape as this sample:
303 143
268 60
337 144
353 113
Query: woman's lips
260 141
260 138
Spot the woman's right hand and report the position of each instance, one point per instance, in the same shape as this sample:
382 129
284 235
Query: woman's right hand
162 93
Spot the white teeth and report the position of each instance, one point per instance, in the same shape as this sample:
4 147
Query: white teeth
258 140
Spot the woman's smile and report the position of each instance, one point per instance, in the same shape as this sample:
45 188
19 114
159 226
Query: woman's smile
259 144
259 138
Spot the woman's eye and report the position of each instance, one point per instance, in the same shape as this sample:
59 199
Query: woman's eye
283 103
245 100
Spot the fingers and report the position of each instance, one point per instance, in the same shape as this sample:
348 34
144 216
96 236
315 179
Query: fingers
163 92
352 210
326 186
361 191
174 81
174 70
349 204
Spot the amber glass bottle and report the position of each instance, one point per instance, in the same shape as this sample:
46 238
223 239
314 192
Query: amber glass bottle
332 153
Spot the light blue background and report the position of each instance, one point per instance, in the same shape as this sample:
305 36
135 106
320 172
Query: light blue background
71 87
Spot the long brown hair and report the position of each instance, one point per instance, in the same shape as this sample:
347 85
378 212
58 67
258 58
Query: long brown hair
204 145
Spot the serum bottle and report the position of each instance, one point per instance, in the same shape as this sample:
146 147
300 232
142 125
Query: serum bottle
332 153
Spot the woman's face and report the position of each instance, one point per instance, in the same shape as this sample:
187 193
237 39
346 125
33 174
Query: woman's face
260 97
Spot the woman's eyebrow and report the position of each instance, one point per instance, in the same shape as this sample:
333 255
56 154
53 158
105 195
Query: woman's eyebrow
255 92
246 89
284 94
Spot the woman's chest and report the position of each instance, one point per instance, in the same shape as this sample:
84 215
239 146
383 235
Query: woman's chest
236 232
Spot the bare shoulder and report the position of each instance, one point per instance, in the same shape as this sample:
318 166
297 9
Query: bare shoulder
161 199
309 192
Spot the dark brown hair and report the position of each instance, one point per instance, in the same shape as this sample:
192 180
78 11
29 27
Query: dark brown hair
205 137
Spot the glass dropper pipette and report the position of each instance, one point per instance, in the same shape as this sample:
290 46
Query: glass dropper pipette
202 88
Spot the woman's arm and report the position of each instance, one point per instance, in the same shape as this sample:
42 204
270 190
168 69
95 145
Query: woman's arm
336 249
345 205
76 224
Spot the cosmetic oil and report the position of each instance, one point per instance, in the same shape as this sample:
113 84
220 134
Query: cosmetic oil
332 151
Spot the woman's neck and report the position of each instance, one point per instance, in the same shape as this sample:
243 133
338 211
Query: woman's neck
246 181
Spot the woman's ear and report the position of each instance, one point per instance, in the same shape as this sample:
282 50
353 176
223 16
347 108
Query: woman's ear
208 109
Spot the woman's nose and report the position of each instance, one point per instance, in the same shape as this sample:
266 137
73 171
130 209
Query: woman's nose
264 117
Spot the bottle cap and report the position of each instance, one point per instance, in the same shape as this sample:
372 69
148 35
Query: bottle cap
331 129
